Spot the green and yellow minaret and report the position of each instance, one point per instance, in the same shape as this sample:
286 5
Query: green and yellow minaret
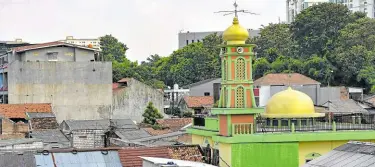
237 101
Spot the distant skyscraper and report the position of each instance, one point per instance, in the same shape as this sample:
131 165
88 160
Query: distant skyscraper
293 7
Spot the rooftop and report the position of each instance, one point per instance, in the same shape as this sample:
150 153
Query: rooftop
351 154
32 115
100 124
18 141
19 110
132 134
49 136
47 45
199 101
285 79
174 124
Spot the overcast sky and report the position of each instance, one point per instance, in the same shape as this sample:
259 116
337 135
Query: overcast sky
145 26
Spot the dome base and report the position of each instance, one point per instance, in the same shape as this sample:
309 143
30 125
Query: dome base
311 115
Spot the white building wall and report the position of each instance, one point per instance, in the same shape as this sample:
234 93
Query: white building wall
264 95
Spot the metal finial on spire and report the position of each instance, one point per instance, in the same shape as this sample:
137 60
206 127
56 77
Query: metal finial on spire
236 11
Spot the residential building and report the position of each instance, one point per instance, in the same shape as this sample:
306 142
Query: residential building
51 138
62 74
196 104
208 87
12 130
96 133
186 38
173 95
353 153
288 130
92 43
130 98
17 112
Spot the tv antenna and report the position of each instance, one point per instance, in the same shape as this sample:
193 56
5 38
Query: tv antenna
236 11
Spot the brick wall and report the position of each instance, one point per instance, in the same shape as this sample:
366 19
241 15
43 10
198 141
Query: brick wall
13 130
44 123
88 138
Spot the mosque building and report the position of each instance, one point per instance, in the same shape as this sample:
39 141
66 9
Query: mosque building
286 133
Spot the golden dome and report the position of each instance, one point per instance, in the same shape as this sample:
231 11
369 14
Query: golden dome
235 34
290 104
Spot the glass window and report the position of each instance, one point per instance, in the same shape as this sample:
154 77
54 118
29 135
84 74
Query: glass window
206 93
275 122
187 42
303 122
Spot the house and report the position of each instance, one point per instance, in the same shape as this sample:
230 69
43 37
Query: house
65 75
196 104
348 106
353 153
96 133
51 138
130 157
208 87
41 121
130 98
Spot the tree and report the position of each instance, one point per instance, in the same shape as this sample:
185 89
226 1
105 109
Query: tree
112 49
151 114
316 28
275 39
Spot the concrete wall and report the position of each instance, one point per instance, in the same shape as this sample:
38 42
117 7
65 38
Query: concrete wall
199 90
131 101
329 93
77 90
27 146
63 54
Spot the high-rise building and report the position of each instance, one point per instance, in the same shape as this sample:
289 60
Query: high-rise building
293 7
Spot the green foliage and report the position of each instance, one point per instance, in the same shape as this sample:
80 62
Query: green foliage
151 114
112 49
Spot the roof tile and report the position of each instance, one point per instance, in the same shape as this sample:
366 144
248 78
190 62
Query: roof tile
285 79
48 44
19 110
199 101
174 124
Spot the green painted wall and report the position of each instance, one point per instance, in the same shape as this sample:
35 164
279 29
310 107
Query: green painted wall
211 123
265 155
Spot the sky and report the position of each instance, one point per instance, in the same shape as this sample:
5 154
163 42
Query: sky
146 26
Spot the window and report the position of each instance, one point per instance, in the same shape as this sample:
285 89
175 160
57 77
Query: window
192 41
197 111
198 40
240 69
52 56
240 97
82 137
206 93
257 101
284 123
187 42
275 122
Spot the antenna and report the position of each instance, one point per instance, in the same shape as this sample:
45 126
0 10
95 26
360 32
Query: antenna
236 11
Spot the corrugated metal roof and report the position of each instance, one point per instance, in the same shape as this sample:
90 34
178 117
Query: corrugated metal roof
86 159
348 155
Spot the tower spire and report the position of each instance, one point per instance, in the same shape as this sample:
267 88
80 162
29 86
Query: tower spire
236 11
